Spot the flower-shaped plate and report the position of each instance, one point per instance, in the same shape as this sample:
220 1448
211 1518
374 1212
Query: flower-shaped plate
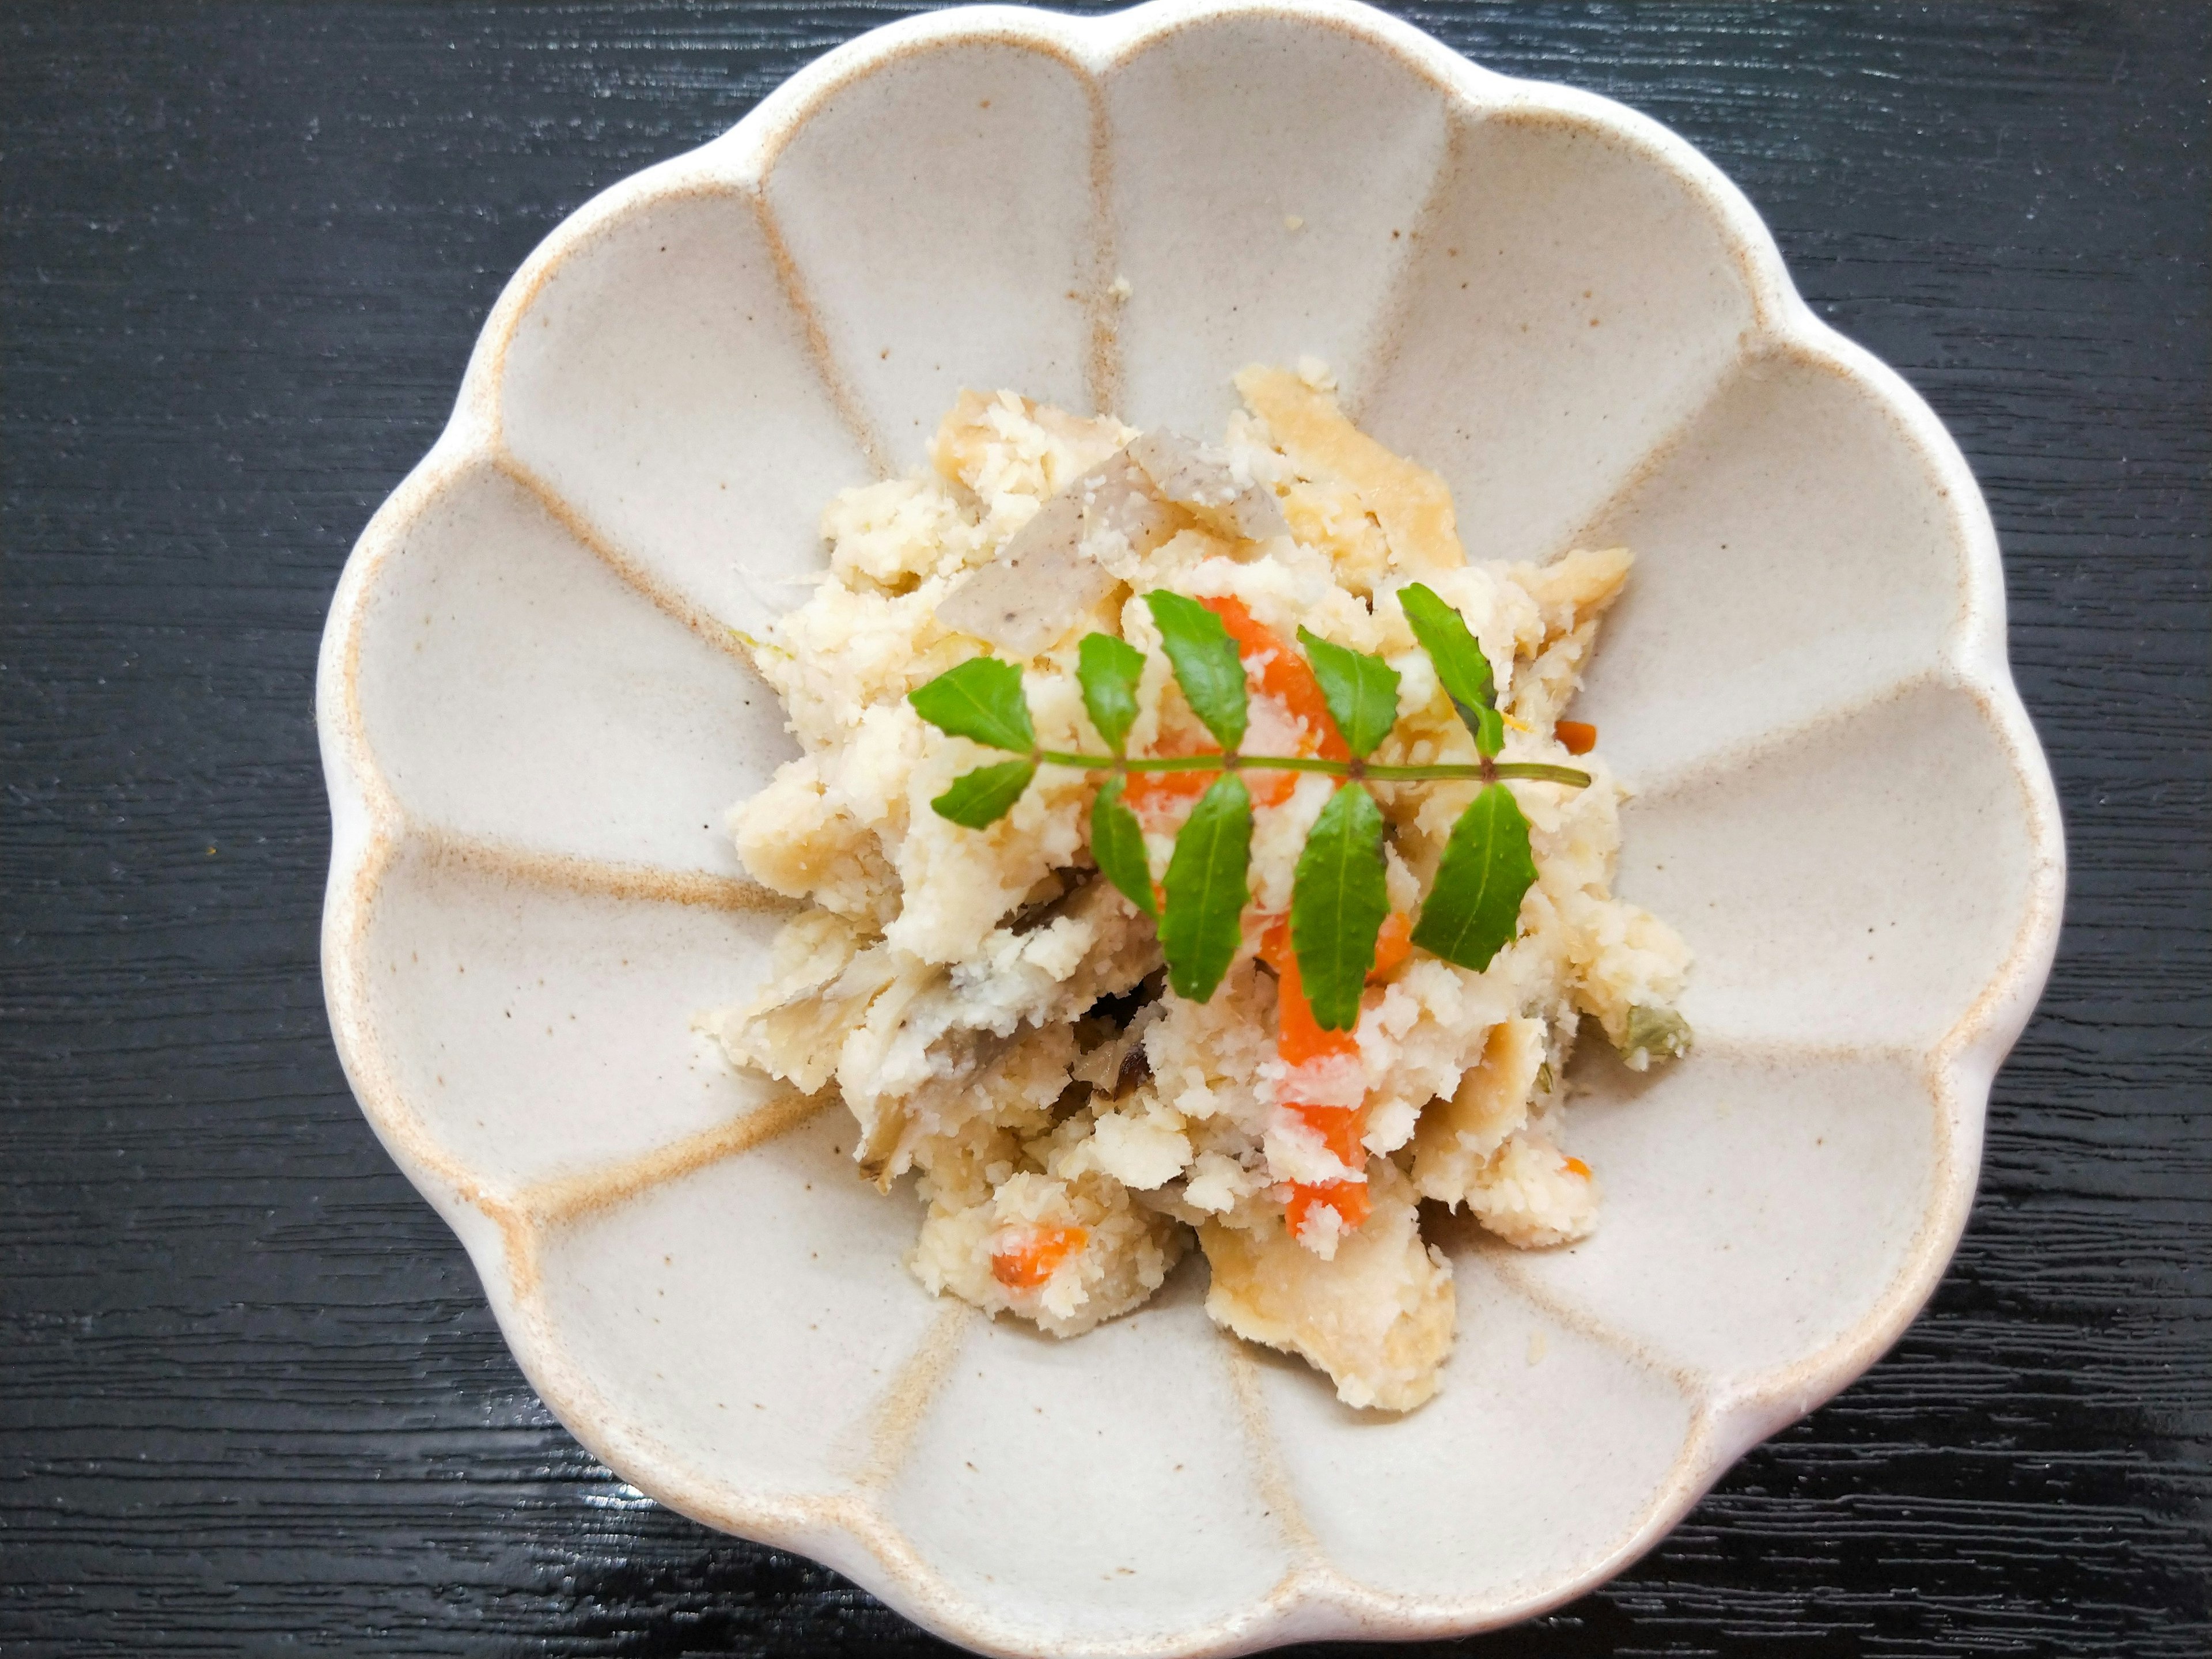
533 716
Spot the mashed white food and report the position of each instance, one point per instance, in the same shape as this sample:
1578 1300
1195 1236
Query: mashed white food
991 1010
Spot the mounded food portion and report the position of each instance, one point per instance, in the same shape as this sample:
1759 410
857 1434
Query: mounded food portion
996 1014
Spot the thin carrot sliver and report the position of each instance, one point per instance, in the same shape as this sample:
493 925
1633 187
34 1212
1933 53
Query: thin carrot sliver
1392 945
1347 1198
1579 737
1033 1260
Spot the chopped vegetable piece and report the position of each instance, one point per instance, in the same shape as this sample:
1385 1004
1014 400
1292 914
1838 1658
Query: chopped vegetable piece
1299 1040
1574 1166
1392 945
1156 791
1187 474
1347 1198
1274 670
1577 736
1032 1257
1045 576
1340 1129
1654 1034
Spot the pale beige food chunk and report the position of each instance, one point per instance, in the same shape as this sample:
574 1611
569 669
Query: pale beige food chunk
1185 474
1456 1136
1056 567
1377 1318
1408 501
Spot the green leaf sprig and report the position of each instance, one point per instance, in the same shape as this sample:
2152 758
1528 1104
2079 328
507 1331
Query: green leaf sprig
1338 901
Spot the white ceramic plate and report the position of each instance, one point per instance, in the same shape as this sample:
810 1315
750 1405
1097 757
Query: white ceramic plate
532 719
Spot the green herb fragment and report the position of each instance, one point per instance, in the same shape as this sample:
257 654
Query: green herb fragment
1206 663
1461 668
1474 909
1337 902
981 699
1108 670
1361 691
1654 1033
984 795
1117 842
1488 727
1544 1078
1206 890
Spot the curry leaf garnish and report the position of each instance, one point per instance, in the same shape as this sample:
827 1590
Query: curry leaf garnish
1201 925
1474 909
1206 663
1117 842
982 700
1338 902
1338 897
984 795
1108 670
1361 691
1461 668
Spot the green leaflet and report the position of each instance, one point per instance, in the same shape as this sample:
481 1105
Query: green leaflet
1108 670
1361 691
984 795
1461 668
1205 664
1474 908
1206 888
1117 842
981 699
1337 906
1488 727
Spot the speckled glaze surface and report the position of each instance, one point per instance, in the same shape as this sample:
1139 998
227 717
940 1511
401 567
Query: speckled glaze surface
532 717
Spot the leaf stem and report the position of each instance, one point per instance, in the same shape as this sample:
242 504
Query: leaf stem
1532 771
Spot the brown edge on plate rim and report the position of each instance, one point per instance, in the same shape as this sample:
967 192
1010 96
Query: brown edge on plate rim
848 1529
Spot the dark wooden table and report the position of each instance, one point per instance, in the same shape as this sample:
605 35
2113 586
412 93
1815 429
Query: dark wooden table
250 1397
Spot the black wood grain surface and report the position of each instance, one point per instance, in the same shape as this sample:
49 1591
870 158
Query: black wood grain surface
250 1398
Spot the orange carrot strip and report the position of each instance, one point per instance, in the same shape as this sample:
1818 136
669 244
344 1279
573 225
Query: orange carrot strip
1579 737
1347 1198
1272 670
1574 1166
1298 1039
1392 945
1342 1129
1282 674
1153 792
1037 1257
